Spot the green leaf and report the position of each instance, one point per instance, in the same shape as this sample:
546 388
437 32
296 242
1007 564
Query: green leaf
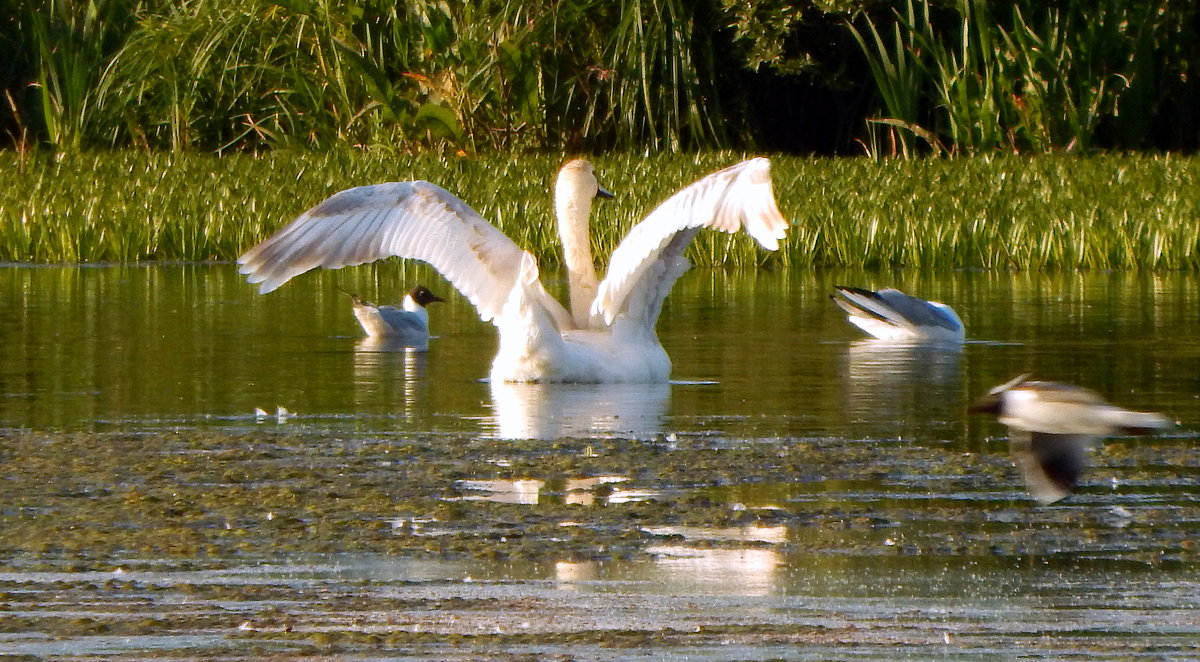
439 120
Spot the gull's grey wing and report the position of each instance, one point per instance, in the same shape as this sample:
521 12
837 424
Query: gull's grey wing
919 311
897 308
1050 463
402 321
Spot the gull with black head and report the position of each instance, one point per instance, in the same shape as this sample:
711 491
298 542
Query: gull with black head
1053 425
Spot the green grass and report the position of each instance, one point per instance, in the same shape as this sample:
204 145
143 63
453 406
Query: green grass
1047 212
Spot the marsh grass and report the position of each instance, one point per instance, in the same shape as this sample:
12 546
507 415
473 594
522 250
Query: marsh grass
1049 212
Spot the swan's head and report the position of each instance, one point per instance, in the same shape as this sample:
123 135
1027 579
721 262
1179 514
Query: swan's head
577 183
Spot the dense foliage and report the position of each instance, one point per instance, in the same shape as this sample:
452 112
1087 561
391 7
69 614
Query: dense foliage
828 76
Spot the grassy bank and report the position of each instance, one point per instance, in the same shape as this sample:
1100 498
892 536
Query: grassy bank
1100 212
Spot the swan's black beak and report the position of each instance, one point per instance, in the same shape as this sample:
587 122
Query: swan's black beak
601 193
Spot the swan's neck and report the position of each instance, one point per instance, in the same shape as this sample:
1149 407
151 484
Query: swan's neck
573 207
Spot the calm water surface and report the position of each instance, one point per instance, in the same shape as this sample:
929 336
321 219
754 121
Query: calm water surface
757 357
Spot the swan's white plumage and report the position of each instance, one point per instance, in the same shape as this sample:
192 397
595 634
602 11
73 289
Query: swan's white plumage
610 337
418 220
574 189
738 197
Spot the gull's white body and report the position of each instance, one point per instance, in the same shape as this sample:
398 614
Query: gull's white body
607 335
409 322
407 325
890 314
1053 425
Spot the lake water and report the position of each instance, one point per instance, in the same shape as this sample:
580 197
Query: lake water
877 570
757 354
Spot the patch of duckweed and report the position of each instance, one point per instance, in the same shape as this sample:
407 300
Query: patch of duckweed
100 501
348 641
137 510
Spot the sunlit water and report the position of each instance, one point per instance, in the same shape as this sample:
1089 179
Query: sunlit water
757 356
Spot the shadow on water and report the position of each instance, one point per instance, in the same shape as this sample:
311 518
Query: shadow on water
798 492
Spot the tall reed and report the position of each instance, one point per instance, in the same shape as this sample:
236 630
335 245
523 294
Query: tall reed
1036 79
70 44
1050 212
895 62
492 74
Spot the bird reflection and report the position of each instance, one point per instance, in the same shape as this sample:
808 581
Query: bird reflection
381 362
569 573
739 571
552 411
391 345
890 381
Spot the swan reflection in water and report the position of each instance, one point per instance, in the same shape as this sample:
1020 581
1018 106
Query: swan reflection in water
553 411
718 571
692 569
892 381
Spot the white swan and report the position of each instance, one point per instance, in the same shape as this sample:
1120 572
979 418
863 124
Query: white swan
608 336
1051 427
408 324
890 314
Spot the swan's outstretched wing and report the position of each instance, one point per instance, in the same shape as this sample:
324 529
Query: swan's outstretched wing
415 220
650 258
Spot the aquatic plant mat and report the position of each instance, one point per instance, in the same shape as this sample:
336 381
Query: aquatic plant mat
301 543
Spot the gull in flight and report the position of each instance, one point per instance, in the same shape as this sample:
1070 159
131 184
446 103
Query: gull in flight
1052 426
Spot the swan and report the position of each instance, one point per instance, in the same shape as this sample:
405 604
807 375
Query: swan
890 314
408 324
1051 427
607 335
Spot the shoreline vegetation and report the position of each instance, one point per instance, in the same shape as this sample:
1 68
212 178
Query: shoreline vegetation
962 134
1104 211
843 77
